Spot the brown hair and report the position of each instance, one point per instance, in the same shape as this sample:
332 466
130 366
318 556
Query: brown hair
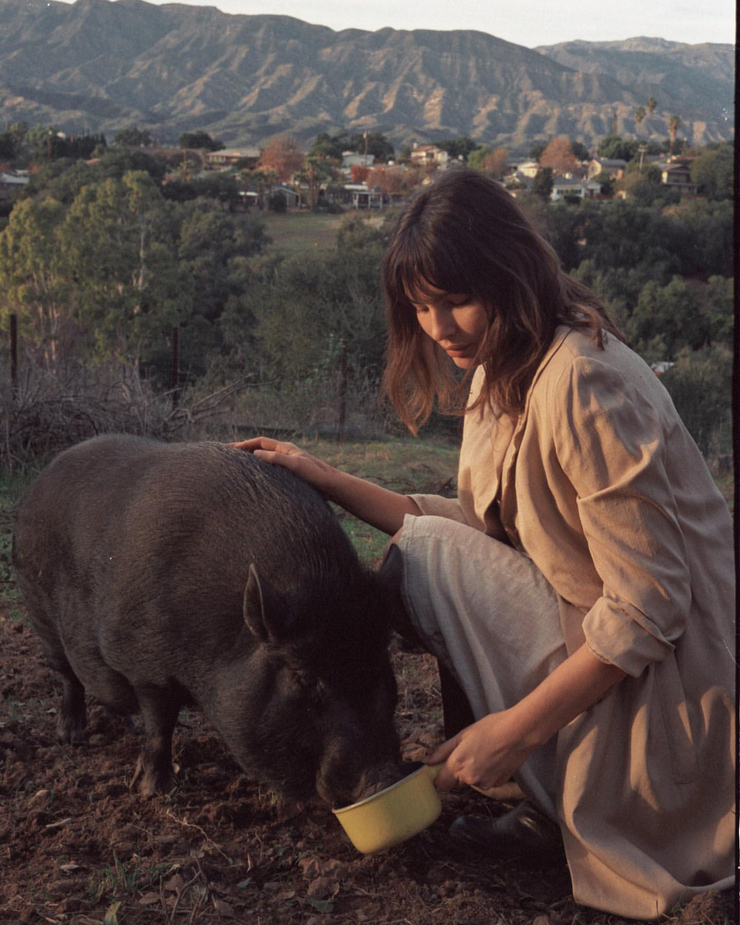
466 234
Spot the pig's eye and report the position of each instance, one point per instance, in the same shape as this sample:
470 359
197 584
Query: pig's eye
311 688
318 695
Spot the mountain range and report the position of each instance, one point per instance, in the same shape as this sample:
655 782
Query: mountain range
96 65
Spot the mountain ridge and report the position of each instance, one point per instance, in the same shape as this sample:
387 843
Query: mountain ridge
101 66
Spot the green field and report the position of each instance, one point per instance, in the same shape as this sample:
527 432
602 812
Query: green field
295 232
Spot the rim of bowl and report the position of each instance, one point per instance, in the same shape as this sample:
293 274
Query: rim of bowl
375 796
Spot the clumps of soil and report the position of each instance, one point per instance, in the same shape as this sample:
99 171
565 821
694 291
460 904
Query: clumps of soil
78 848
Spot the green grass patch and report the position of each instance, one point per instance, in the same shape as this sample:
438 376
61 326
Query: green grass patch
406 466
302 232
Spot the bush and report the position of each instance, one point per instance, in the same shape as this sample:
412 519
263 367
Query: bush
51 411
328 207
700 385
277 202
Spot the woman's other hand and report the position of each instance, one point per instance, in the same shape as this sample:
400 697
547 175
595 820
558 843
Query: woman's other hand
484 755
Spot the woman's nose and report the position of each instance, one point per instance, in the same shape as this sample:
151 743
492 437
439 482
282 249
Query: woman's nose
442 324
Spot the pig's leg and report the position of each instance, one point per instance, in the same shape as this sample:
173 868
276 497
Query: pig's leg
71 723
154 768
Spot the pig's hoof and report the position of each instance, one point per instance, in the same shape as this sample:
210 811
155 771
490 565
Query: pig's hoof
148 782
70 732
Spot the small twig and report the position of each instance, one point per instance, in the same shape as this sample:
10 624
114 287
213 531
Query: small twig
192 825
183 891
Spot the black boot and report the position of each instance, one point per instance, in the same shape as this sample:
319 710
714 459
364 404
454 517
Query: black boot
523 832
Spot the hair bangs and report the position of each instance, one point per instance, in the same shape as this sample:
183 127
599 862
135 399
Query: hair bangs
426 263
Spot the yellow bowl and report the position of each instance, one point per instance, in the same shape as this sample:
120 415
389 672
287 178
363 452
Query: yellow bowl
394 814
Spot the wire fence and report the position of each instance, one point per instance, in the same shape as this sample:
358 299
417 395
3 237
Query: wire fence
44 408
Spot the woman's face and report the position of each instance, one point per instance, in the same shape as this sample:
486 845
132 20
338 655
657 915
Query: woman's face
455 321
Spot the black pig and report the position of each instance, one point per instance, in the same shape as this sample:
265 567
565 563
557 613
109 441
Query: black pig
160 575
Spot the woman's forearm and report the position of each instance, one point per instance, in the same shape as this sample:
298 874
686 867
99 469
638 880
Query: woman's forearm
486 753
574 686
377 506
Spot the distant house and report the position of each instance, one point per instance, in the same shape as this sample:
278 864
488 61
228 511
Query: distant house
360 196
429 156
529 169
227 157
662 366
12 180
610 166
677 176
352 159
584 189
291 197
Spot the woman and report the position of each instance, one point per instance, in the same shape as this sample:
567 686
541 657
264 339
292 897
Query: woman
580 588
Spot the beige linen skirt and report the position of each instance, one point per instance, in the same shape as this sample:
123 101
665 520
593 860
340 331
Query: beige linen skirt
488 614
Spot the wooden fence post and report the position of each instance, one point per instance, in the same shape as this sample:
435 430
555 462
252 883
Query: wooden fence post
175 384
14 353
342 390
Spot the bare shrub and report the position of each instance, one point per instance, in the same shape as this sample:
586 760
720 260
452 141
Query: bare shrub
50 411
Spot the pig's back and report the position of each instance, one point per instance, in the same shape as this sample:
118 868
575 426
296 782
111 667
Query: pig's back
146 532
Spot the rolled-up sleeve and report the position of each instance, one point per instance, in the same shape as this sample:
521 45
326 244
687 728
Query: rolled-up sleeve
610 443
440 507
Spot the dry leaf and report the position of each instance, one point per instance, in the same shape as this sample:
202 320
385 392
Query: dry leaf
323 888
222 908
148 899
175 884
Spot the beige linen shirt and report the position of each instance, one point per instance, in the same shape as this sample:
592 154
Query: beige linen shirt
600 484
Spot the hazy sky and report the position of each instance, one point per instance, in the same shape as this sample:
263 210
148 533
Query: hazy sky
525 22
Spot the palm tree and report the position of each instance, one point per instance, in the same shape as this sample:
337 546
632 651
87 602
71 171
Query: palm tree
640 114
674 123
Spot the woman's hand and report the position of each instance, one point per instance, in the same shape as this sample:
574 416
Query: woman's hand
487 753
319 474
377 506
483 755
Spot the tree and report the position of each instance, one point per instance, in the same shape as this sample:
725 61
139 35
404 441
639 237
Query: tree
559 156
374 143
31 276
713 171
720 306
282 156
460 147
488 161
674 123
200 140
496 163
543 183
7 147
316 171
617 148
700 385
133 138
536 150
640 114
671 313
388 179
580 150
358 173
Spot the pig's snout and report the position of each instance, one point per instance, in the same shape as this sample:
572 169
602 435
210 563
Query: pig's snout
341 789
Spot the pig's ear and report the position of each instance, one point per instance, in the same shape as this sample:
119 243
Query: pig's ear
390 574
262 608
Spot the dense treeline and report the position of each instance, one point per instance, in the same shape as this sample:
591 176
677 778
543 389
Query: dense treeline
99 261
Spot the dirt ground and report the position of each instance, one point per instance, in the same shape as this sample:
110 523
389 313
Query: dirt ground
76 847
